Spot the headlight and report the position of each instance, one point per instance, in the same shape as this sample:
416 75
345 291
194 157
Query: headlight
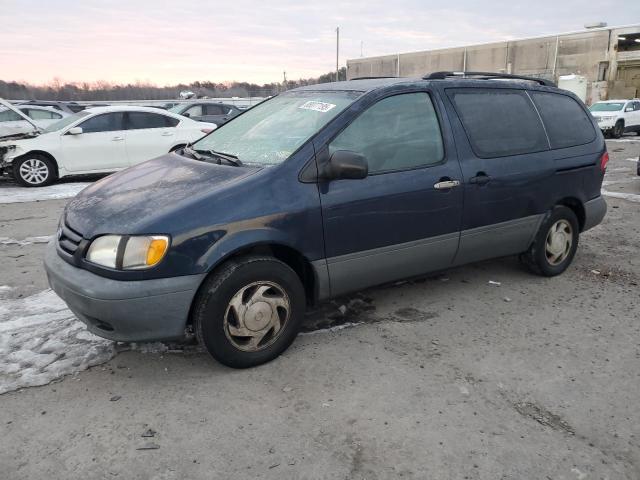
128 253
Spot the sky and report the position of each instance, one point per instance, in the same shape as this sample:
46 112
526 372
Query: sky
171 41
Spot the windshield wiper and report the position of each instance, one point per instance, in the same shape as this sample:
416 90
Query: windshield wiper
228 157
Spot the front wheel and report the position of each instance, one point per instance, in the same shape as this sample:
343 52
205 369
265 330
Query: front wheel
249 311
618 130
555 244
34 170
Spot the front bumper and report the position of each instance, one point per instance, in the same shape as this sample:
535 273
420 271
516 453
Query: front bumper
128 311
594 212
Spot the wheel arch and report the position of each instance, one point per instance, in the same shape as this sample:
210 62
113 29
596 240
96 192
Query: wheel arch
44 154
290 256
577 207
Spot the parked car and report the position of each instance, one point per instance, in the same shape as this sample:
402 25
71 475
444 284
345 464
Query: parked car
21 119
68 107
96 140
324 190
616 117
203 111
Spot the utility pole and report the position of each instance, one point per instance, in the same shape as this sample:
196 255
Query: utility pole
361 48
337 53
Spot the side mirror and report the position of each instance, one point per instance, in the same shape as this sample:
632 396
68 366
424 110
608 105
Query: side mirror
186 114
75 131
628 109
344 164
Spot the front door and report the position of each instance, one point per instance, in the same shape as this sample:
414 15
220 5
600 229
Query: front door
403 219
100 146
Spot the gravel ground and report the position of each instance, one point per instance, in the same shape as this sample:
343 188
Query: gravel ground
449 377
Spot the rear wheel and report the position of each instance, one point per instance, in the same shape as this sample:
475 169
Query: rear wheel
618 130
34 170
249 311
555 244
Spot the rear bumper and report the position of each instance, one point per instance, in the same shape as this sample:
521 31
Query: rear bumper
144 310
594 212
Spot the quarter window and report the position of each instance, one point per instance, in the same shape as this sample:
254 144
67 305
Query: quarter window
142 120
499 122
566 121
106 122
397 133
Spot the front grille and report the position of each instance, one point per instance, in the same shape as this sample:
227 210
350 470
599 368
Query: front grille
68 239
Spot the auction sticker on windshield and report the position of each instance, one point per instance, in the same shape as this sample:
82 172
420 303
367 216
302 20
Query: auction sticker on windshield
317 106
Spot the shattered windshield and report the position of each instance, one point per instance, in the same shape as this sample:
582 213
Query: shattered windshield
60 124
271 131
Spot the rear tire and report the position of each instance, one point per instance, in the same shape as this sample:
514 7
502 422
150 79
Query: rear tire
34 170
249 311
555 244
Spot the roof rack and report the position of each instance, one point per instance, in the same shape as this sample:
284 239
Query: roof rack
487 76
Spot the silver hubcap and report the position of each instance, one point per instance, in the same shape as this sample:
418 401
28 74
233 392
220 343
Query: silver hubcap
559 241
256 316
34 171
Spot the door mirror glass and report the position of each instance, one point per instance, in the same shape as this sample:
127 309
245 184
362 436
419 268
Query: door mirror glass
344 164
75 131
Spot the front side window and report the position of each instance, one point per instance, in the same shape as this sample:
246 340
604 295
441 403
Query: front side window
566 122
143 120
396 133
194 111
215 110
106 122
499 122
273 130
9 116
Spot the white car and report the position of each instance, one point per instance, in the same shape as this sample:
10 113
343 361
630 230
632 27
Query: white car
97 140
616 117
22 118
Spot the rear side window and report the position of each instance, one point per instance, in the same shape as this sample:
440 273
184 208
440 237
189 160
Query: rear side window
42 114
566 121
142 120
397 133
215 110
499 122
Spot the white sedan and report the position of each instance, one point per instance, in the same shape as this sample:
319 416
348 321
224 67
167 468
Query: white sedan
97 140
22 118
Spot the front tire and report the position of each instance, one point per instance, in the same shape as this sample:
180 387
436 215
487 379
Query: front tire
249 311
34 170
618 130
555 244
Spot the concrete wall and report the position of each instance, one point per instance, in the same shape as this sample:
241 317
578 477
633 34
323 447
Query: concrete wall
584 53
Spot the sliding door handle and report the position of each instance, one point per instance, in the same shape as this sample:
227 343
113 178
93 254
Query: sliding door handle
446 184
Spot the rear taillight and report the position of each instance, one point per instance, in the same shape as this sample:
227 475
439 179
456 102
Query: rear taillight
206 130
604 160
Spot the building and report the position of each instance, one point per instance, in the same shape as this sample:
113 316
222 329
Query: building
608 57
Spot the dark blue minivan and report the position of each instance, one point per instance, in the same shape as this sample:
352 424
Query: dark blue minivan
324 190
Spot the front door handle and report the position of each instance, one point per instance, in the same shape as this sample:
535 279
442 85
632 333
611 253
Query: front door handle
481 178
117 139
446 184
167 134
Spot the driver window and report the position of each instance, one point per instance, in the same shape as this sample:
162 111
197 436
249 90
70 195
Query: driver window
195 111
397 133
106 122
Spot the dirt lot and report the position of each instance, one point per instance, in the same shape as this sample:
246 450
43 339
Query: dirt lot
450 377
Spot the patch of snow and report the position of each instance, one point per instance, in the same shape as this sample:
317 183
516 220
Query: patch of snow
41 341
26 241
633 160
632 197
333 329
52 192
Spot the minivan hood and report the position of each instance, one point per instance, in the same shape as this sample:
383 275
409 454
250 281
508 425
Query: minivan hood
129 201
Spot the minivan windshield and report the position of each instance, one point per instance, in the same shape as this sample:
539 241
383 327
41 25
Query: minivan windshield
270 132
60 124
606 107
